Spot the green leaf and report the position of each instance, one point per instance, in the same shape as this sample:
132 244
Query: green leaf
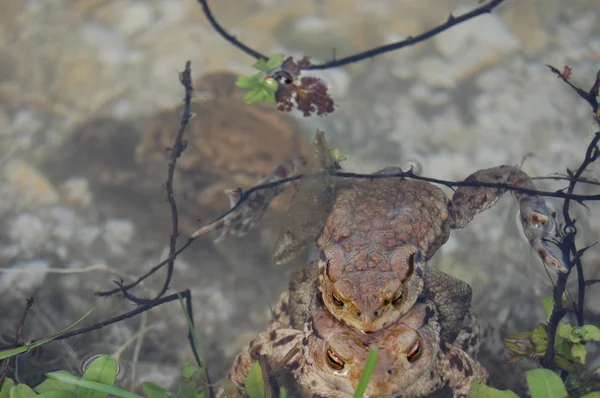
275 61
151 390
548 304
19 350
6 387
102 370
249 82
594 394
261 64
544 383
370 366
58 394
22 391
55 385
591 333
564 330
564 364
190 369
255 95
578 352
563 348
254 382
480 390
283 393
92 385
539 337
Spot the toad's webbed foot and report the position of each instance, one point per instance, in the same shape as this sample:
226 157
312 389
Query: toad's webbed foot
536 218
277 347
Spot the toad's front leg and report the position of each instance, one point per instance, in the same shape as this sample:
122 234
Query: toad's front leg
536 218
460 370
279 348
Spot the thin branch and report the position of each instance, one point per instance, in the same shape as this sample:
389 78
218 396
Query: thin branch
15 341
179 146
335 63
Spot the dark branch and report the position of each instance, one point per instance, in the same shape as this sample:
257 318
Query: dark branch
450 22
4 364
179 145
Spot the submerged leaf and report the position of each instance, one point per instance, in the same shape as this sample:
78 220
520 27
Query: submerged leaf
481 390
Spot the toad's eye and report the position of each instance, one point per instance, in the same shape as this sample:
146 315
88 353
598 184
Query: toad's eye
336 300
415 352
398 297
334 361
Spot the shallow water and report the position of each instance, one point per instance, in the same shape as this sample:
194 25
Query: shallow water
473 97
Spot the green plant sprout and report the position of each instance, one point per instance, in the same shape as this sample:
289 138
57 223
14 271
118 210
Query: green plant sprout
262 85
570 345
363 382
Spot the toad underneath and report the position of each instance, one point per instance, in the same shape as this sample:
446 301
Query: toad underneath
326 358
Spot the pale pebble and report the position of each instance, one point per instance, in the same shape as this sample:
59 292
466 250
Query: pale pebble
25 282
30 183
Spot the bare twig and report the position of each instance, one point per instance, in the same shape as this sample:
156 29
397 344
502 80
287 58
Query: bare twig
486 8
567 240
179 146
15 341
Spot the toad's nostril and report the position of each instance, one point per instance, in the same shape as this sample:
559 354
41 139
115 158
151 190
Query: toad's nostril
358 313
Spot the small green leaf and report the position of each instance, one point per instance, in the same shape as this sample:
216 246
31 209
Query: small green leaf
255 95
6 387
370 366
564 330
594 394
58 394
591 333
548 304
563 348
22 391
249 82
564 364
283 393
261 64
539 336
578 352
102 370
275 61
254 382
190 369
92 385
151 390
514 347
480 390
187 390
544 383
270 98
55 385
19 350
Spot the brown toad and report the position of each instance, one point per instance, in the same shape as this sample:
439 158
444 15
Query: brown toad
327 358
229 144
380 231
